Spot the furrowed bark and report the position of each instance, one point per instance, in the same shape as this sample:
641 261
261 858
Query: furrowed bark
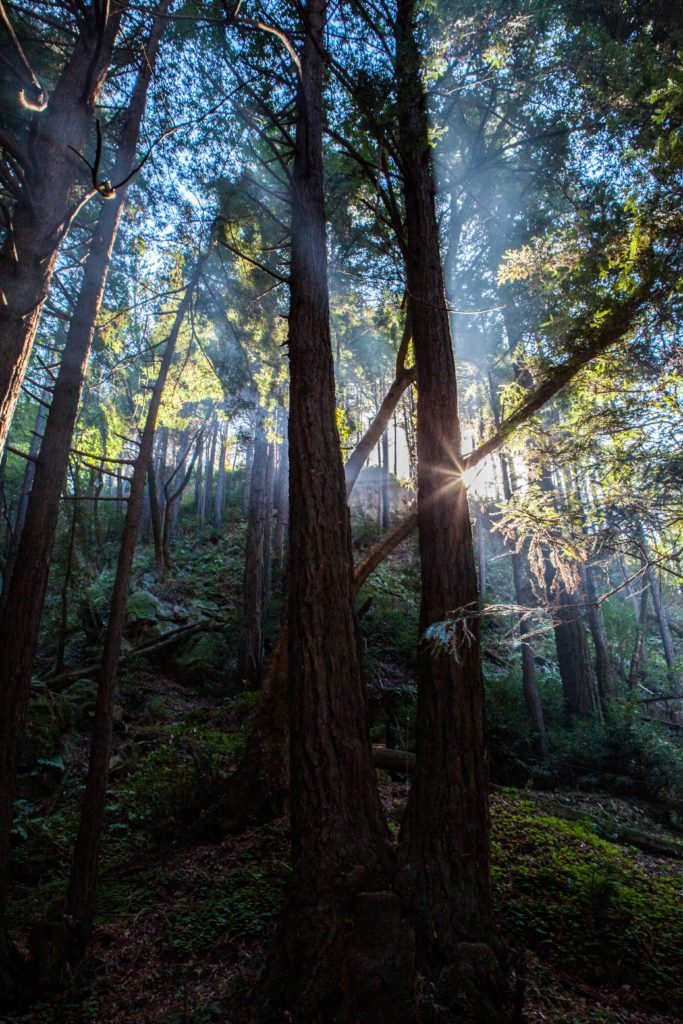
444 847
338 840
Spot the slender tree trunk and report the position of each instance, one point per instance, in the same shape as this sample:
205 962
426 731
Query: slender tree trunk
641 634
251 632
25 597
173 500
268 523
282 509
444 847
66 583
220 482
604 670
378 426
51 171
657 604
208 476
20 517
386 507
156 517
80 903
338 840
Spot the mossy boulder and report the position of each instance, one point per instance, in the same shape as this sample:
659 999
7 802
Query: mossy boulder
202 660
145 615
47 720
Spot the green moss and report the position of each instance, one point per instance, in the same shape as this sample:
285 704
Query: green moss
582 903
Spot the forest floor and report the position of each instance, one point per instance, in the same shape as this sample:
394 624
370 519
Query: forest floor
588 884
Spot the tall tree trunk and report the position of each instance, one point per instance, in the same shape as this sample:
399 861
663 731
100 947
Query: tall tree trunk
444 847
282 508
658 605
268 523
579 686
25 597
338 840
386 506
523 596
80 902
604 670
51 171
251 634
174 498
208 476
222 473
641 635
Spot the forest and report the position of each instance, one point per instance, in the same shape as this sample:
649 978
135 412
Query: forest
341 511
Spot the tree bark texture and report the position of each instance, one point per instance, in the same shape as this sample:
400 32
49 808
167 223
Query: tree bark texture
444 848
338 840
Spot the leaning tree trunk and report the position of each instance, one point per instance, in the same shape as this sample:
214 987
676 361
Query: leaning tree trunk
444 846
316 971
26 594
80 901
51 171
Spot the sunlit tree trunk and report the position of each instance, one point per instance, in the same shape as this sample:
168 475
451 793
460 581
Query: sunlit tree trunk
338 841
444 848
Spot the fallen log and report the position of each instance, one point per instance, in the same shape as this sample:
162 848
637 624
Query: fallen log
59 681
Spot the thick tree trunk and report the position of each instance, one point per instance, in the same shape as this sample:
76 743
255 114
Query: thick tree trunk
80 903
444 847
579 687
251 634
338 841
25 596
51 174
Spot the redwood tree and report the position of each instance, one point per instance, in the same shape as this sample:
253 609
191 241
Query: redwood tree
444 848
339 843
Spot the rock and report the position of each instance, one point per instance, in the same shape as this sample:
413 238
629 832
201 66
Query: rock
201 660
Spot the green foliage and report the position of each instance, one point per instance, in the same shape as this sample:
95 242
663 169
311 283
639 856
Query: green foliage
175 780
584 905
240 908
